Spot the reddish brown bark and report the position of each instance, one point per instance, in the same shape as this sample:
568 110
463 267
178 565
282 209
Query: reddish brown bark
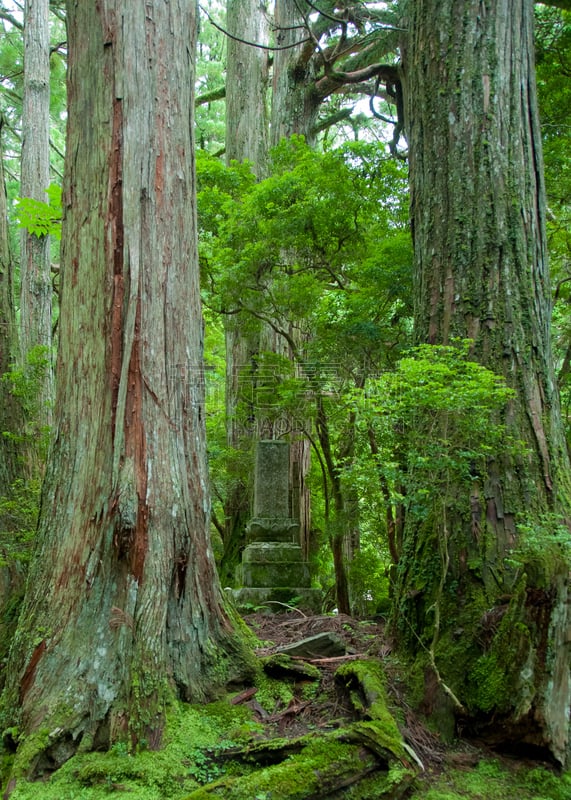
123 593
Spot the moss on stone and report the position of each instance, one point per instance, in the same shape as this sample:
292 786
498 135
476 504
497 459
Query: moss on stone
282 665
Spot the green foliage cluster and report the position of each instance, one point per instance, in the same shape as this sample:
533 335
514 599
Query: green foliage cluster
19 506
41 218
544 539
308 242
447 412
18 518
436 419
553 67
369 577
24 382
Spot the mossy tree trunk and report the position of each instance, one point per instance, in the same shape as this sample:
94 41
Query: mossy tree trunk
491 629
123 605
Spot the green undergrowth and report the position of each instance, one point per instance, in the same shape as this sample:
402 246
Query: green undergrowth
493 780
199 760
196 737
308 774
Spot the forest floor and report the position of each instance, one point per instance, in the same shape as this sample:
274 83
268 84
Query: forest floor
249 743
464 768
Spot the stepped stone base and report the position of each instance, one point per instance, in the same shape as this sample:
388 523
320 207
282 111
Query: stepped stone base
274 598
273 564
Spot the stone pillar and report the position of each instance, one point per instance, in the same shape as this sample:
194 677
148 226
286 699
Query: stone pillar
273 571
271 521
271 479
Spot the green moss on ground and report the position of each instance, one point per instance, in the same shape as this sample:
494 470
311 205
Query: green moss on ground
274 694
493 781
199 760
194 738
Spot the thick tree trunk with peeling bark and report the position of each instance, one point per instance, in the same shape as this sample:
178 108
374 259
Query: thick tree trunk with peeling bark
123 605
35 274
494 634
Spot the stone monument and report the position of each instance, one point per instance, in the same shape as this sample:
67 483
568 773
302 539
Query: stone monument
273 571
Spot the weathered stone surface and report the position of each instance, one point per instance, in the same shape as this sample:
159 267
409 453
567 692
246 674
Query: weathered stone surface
271 486
322 645
281 665
272 529
273 572
277 573
267 552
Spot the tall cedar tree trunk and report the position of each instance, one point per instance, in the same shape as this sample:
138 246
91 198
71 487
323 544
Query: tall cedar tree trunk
295 101
123 604
497 634
35 276
11 422
246 140
247 83
11 419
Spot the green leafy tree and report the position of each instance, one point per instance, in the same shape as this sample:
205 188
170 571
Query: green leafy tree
455 402
318 252
553 59
41 218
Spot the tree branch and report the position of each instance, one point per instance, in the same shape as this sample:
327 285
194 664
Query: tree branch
12 20
211 96
245 41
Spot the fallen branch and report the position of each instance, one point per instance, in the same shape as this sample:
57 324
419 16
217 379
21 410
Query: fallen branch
247 694
334 659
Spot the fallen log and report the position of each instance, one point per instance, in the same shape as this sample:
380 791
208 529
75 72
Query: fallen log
320 767
316 767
